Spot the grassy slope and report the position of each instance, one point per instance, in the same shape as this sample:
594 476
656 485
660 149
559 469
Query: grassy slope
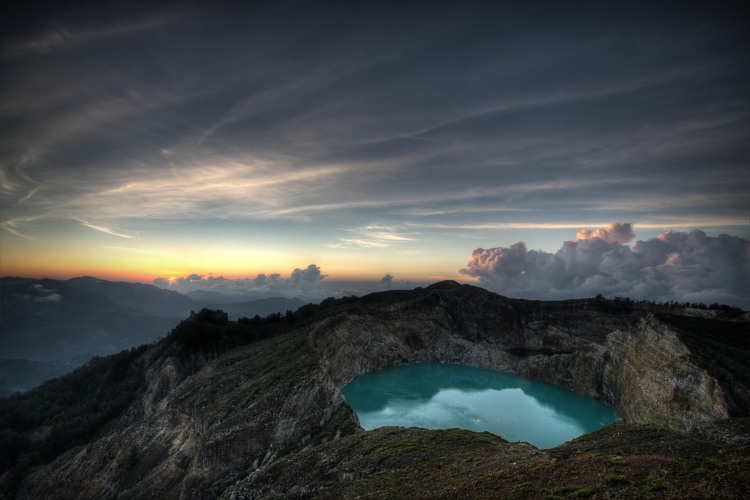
622 461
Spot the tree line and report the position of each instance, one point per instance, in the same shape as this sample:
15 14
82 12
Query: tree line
674 304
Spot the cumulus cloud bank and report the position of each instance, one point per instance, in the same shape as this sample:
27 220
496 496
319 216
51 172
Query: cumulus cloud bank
616 232
683 266
307 283
301 282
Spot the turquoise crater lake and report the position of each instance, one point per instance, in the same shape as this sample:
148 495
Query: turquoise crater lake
439 396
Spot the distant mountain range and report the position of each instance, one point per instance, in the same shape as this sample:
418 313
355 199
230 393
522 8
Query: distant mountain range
48 327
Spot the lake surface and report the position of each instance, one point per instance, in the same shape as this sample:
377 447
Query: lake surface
439 396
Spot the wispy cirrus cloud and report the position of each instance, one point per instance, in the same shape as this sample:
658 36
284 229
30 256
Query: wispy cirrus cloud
374 236
671 223
61 38
225 188
16 227
106 230
270 131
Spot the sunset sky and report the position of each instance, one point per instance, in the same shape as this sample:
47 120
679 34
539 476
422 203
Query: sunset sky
421 140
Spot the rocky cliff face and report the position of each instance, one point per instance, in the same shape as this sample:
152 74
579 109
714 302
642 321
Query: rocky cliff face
204 424
192 439
630 359
649 377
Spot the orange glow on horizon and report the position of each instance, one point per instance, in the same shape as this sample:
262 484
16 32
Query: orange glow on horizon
122 273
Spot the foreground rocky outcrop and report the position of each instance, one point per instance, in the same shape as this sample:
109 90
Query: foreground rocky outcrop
268 418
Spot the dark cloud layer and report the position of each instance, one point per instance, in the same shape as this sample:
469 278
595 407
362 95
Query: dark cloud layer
423 101
684 266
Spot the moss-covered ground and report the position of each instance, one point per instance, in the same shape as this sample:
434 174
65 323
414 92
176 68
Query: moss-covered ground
621 461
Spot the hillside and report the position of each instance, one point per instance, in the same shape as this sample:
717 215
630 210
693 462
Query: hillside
253 409
48 327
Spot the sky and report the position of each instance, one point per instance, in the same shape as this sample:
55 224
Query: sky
539 149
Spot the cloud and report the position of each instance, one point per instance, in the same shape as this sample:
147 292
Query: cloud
621 233
301 282
63 39
683 266
374 236
193 278
386 281
305 277
267 280
53 297
15 227
105 230
39 293
318 122
308 284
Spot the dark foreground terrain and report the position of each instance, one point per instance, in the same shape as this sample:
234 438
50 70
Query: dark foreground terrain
252 409
628 461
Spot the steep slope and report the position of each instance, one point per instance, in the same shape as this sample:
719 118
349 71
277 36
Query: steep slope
64 323
255 410
193 424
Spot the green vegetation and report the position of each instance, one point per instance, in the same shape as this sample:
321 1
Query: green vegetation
399 447
570 492
618 480
655 482
698 466
68 411
210 331
673 304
